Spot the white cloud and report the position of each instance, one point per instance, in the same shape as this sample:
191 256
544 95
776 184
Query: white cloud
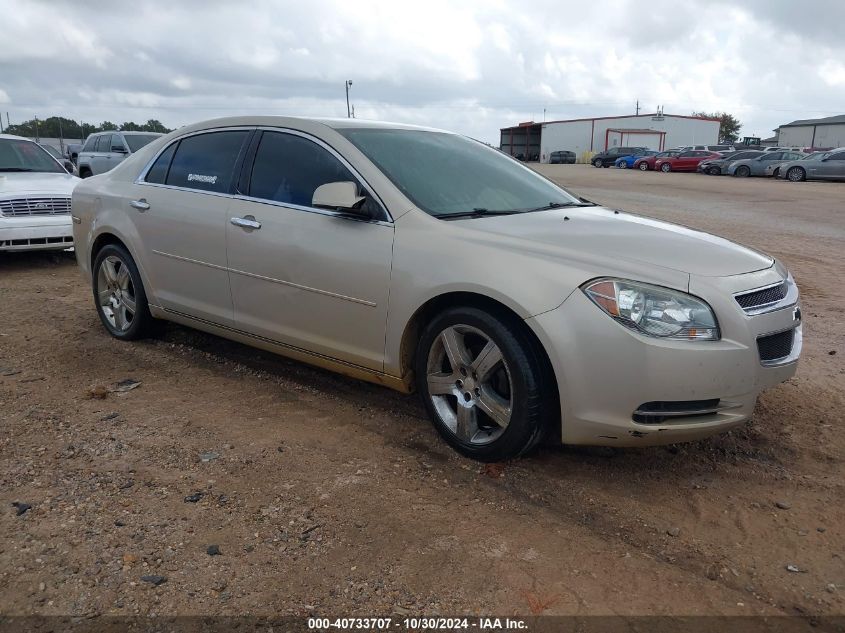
472 66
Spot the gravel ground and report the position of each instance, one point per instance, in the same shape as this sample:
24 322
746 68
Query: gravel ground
190 475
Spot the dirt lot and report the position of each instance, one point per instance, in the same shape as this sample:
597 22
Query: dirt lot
330 496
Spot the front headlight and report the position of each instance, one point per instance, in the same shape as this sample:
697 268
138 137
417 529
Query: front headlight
653 310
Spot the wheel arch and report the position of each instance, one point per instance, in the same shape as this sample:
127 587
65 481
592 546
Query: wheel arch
109 236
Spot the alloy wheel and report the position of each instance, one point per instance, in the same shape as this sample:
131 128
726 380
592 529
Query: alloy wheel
795 174
116 293
643 166
469 384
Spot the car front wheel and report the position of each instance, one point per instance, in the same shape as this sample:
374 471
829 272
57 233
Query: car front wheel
598 162
796 174
666 168
482 381
623 165
714 171
742 171
643 166
119 294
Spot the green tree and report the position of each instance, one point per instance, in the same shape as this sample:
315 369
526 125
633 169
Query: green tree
61 127
729 125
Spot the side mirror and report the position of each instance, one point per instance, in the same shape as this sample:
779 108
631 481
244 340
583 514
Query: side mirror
339 196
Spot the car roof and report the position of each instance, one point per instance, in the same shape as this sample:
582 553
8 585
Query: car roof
13 137
124 132
295 121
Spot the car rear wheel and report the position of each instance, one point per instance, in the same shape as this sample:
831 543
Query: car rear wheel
796 174
666 168
598 163
119 294
714 171
482 381
643 166
742 171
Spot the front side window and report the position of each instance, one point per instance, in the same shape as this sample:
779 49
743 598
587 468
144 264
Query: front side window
117 143
445 174
687 155
839 156
206 161
26 156
90 144
289 168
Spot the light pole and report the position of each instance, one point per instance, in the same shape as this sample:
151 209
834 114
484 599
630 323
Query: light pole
348 111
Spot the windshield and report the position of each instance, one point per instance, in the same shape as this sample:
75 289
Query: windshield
447 174
137 141
26 156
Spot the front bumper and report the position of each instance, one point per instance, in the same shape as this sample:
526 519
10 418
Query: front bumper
35 233
606 372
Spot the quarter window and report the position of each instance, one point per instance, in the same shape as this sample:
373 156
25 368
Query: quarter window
289 168
158 172
206 161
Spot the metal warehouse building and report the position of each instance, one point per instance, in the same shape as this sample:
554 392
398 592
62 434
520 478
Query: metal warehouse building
535 141
827 132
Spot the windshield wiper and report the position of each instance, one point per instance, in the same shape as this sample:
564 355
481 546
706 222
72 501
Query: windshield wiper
561 205
478 212
16 169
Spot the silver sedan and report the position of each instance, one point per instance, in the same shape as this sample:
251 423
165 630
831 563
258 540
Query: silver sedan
423 260
757 166
819 166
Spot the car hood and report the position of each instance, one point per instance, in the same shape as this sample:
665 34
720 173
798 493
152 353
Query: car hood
623 236
15 183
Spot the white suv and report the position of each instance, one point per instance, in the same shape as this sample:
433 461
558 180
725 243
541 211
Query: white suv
104 150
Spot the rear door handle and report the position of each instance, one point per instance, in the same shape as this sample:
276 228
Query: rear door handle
248 222
141 205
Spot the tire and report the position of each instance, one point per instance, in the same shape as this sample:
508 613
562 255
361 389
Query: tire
85 172
743 171
117 288
714 171
643 166
796 174
666 168
776 172
623 165
598 163
512 386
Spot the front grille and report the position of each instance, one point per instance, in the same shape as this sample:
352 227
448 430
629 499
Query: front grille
35 206
658 412
775 346
762 297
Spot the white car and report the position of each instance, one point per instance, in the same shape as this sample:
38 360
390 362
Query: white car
34 197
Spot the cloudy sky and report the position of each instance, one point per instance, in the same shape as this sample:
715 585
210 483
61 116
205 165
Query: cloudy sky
468 65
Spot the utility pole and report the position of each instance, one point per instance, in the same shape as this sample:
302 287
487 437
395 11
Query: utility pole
348 110
638 107
544 115
37 135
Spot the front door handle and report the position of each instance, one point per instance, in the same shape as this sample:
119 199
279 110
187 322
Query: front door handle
248 222
142 205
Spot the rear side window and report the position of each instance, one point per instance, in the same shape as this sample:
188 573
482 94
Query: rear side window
158 172
839 156
206 161
289 168
103 143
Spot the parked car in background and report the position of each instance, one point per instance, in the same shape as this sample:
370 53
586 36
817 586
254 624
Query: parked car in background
783 149
645 163
72 151
757 166
562 157
35 191
627 162
290 234
684 161
105 150
818 166
718 166
608 157
710 148
66 163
